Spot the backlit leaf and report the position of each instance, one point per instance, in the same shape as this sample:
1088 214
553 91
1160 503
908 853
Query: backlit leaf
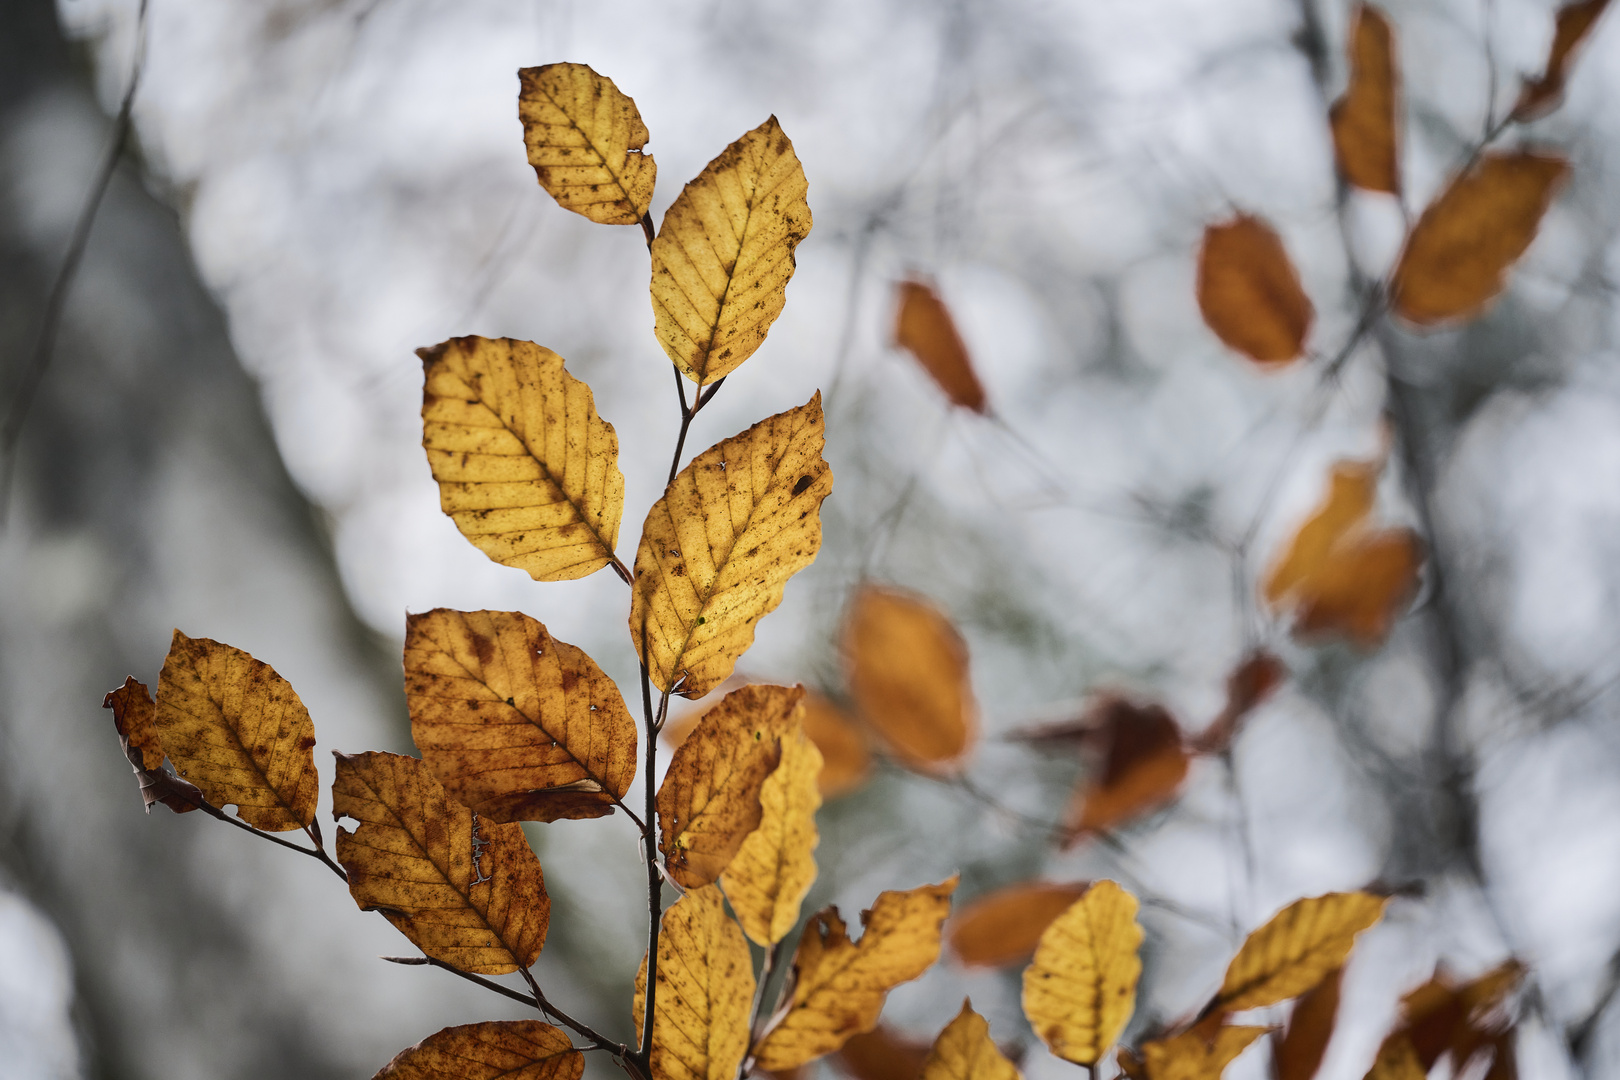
1363 120
1003 927
1250 293
526 469
494 1050
705 990
133 711
724 254
1250 684
1301 945
924 327
465 891
1298 1055
1192 1056
514 723
1144 767
882 1054
237 730
965 1051
1542 95
767 879
839 986
717 550
584 139
1081 988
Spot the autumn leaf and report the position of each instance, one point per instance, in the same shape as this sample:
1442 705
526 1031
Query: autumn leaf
494 1050
964 1051
839 986
882 1054
1442 1016
1298 1055
705 989
1363 120
1254 680
526 468
133 711
1081 988
724 254
514 723
767 879
923 327
846 760
237 730
1192 1056
584 139
717 550
1397 1060
1301 945
1542 95
1458 254
1250 293
1144 767
467 892
1003 927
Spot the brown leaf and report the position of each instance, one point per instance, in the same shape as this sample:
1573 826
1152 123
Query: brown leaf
1364 119
1250 293
1397 1060
584 138
1540 96
923 326
1250 684
1192 1056
705 989
1145 765
1003 927
493 1050
1442 1016
1299 947
1080 990
882 1054
133 711
1298 1055
965 1051
846 761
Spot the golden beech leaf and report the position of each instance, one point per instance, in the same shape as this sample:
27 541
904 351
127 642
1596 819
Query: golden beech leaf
1081 988
1363 120
710 799
1458 254
846 761
767 879
584 138
924 327
1249 291
493 1050
705 991
465 891
717 550
882 1054
526 468
1144 768
1301 945
237 730
514 723
1298 1055
1193 1056
1397 1060
908 674
839 986
133 715
1003 927
1542 95
1254 680
965 1051
724 254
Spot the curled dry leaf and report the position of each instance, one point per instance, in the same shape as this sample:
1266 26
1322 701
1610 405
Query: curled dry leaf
717 550
767 879
237 730
1250 684
705 989
1250 293
1301 945
724 254
526 468
882 1054
965 1051
1542 95
1458 254
923 327
839 986
494 1050
1003 927
584 138
133 710
1080 990
1193 1056
1144 767
1363 120
467 892
514 723
1298 1054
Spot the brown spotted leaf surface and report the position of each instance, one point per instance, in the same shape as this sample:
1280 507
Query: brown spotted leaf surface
1301 945
923 327
1192 1056
705 990
767 879
1543 94
493 1050
1364 119
965 1051
1080 990
1249 291
1003 927
585 139
1143 768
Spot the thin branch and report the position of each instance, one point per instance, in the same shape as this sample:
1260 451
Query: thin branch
316 853
647 229
655 883
487 984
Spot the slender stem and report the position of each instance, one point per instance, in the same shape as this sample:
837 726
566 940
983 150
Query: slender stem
686 423
631 814
487 984
647 229
655 884
316 853
313 831
623 571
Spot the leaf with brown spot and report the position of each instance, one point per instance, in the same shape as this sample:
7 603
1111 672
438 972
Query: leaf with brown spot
767 879
237 730
466 891
1192 1056
514 723
1364 119
584 138
923 327
493 1050
1249 291
1542 95
1003 927
1080 990
1144 767
705 990
526 468
1250 684
1298 1054
133 711
1301 945
882 1054
965 1051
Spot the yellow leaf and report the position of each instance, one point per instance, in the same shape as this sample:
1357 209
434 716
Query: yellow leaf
839 986
924 327
584 139
1301 945
908 674
237 730
465 891
710 801
1003 927
494 1050
514 723
776 865
964 1051
1458 254
1363 120
717 550
1540 96
724 254
705 992
1299 1054
526 469
1397 1060
1249 292
1192 1056
1081 988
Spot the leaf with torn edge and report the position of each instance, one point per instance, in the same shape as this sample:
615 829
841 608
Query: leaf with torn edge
494 1050
584 138
133 710
1003 927
465 891
767 879
1143 769
1301 945
1363 120
1081 988
923 327
1192 1056
1298 1054
1249 291
526 468
1542 95
965 1051
705 991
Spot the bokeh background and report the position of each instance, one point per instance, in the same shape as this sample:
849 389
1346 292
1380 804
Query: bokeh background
227 441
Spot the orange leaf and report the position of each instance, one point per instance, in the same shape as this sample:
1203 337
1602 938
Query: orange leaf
1003 927
845 759
924 327
1298 1054
1249 291
882 1054
1145 765
493 1050
1193 1055
1363 120
1250 684
1541 96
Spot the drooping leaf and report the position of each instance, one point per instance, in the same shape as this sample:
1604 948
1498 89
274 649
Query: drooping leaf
1298 1055
923 327
133 709
1250 684
882 1054
237 730
584 138
515 724
724 254
1363 120
493 1050
839 986
1301 945
1397 1060
710 800
1542 95
526 468
1144 767
965 1051
717 550
465 891
767 879
1250 293
1003 927
1192 1056
705 989
1458 254
1081 988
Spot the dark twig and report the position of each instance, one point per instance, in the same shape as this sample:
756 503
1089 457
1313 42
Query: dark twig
647 229
316 853
487 984
655 882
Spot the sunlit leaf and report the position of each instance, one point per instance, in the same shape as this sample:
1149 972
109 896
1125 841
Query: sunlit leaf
1301 945
1364 119
133 715
1542 95
767 879
584 139
705 989
1081 988
1192 1056
1144 767
882 1054
924 327
1250 293
1003 927
1254 680
965 1051
1298 1055
494 1050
